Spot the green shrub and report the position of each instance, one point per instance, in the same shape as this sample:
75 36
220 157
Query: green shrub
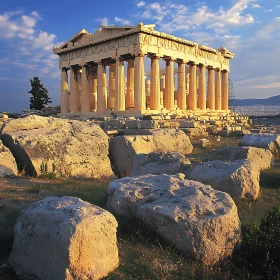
261 245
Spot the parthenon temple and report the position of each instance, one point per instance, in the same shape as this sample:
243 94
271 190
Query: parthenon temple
119 69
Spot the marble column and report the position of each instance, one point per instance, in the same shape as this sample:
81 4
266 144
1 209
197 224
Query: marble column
202 88
193 88
64 92
119 86
79 85
101 88
155 84
85 104
111 100
225 90
129 99
139 83
94 94
181 101
74 94
218 99
211 89
169 85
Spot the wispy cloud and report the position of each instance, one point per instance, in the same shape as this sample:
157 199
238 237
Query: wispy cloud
267 86
122 21
141 4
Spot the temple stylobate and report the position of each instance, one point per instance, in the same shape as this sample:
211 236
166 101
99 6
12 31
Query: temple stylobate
106 72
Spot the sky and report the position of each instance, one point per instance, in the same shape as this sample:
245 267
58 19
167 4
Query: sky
30 29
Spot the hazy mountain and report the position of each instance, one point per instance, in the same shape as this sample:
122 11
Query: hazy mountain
274 100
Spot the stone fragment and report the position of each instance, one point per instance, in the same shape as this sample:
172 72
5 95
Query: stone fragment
64 238
263 140
200 221
8 166
123 149
264 159
65 147
239 178
160 162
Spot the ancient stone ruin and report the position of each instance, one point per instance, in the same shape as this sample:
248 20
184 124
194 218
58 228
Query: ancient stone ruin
88 58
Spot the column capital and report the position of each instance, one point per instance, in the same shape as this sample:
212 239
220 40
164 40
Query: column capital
217 69
200 65
169 58
224 71
192 63
209 67
181 61
140 55
154 56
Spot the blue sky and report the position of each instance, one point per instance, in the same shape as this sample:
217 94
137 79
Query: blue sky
30 29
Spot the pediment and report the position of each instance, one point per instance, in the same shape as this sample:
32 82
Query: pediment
76 39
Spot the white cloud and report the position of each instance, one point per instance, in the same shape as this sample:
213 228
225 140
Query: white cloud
44 41
141 4
122 21
267 86
104 21
29 21
268 10
269 29
255 6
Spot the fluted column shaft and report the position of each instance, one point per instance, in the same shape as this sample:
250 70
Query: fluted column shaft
119 86
211 89
155 84
74 94
85 106
182 85
139 83
225 90
111 100
202 88
169 85
101 88
64 92
218 99
193 89
129 100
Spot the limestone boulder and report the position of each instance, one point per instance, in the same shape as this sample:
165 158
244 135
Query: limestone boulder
123 149
8 166
239 178
268 141
263 158
160 162
64 238
65 147
200 221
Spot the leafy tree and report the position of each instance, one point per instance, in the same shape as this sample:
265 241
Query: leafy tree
39 94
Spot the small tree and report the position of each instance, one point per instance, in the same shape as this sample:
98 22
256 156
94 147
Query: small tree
39 94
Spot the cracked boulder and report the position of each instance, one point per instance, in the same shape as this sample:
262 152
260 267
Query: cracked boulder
8 166
64 238
124 149
201 222
64 147
239 178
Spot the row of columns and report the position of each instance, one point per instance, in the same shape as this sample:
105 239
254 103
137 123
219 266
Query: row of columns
90 90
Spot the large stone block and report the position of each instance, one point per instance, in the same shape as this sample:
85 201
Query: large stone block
65 147
160 162
263 140
239 178
123 149
198 220
64 238
8 166
264 159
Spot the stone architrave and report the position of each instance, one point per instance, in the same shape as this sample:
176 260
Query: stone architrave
64 92
64 238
